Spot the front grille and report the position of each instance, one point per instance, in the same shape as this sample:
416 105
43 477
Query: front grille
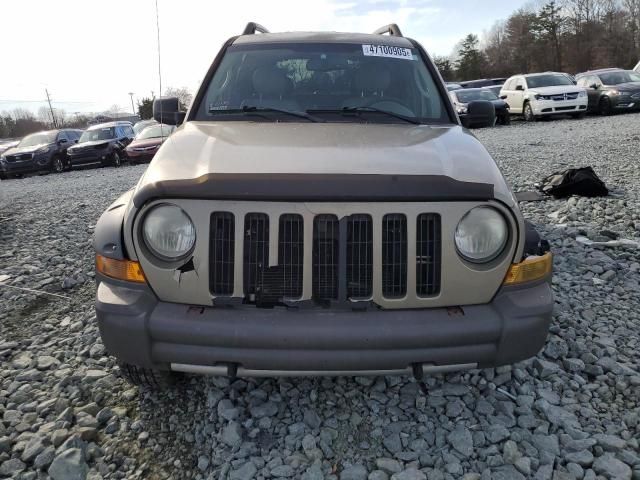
19 157
291 254
325 257
394 255
341 263
359 256
256 250
222 253
428 254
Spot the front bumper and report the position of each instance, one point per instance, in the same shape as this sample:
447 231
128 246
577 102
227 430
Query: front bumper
140 157
138 329
34 164
626 102
553 107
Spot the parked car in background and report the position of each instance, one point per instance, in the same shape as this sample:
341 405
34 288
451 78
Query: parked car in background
483 82
147 142
104 144
453 86
495 89
7 144
538 95
611 89
41 151
142 124
461 99
275 236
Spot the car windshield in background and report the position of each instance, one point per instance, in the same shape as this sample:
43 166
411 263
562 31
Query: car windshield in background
38 139
616 78
538 81
106 133
466 96
155 131
324 82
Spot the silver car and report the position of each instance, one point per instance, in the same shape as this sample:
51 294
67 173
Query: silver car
320 211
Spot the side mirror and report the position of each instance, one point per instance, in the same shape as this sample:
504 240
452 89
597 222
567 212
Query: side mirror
593 86
76 140
167 110
519 88
503 97
62 141
481 113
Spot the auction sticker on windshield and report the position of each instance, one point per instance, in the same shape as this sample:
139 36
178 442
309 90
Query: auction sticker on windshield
387 51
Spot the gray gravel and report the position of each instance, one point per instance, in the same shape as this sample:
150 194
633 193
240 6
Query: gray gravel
573 412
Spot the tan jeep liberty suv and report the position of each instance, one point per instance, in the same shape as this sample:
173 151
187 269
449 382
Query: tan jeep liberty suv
320 211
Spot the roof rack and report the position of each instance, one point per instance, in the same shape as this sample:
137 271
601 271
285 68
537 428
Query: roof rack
391 29
253 27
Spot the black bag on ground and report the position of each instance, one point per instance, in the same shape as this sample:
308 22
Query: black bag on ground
574 181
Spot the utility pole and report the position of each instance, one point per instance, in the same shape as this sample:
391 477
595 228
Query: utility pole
53 117
132 107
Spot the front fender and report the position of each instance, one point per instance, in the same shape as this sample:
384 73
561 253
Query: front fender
107 236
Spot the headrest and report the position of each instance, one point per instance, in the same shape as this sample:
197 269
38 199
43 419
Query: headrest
372 78
271 81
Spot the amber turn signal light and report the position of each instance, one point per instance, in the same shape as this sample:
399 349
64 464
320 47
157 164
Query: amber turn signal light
532 268
126 270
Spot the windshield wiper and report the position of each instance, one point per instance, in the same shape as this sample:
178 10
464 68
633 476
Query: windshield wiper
356 110
253 110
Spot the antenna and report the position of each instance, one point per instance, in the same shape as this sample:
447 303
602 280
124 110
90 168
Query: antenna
159 69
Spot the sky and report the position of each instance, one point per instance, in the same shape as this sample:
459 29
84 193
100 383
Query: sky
90 54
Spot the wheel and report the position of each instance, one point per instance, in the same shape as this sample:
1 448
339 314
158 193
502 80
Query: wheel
605 106
4 176
57 165
578 115
116 160
528 113
147 378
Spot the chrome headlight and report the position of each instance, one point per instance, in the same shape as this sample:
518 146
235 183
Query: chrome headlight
42 150
582 94
168 232
481 235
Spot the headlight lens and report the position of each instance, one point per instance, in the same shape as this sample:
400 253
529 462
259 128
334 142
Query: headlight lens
582 94
42 150
168 232
481 235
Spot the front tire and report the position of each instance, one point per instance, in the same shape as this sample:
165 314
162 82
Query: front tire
116 159
605 106
505 119
527 111
147 378
57 165
4 176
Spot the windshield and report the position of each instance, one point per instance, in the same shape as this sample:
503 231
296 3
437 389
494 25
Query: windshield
38 139
155 131
138 127
106 133
466 96
551 80
616 78
322 78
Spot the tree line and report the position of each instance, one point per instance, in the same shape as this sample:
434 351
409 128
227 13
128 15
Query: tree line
560 35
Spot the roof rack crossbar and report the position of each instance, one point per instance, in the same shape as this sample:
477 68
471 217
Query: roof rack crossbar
391 29
253 27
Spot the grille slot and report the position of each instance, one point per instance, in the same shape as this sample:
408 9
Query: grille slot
428 254
291 254
256 250
222 253
394 255
359 256
325 257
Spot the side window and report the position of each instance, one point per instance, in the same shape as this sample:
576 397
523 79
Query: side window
595 80
520 83
119 132
130 132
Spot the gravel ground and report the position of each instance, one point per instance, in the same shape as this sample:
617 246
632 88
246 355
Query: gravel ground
572 412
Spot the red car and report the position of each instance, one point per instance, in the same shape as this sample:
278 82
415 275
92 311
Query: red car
147 142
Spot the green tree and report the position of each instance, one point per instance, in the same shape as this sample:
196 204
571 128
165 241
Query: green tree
145 109
548 27
470 59
445 66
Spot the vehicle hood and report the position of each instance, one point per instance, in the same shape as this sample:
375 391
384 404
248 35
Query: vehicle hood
148 142
557 89
83 145
625 87
497 103
337 150
30 149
